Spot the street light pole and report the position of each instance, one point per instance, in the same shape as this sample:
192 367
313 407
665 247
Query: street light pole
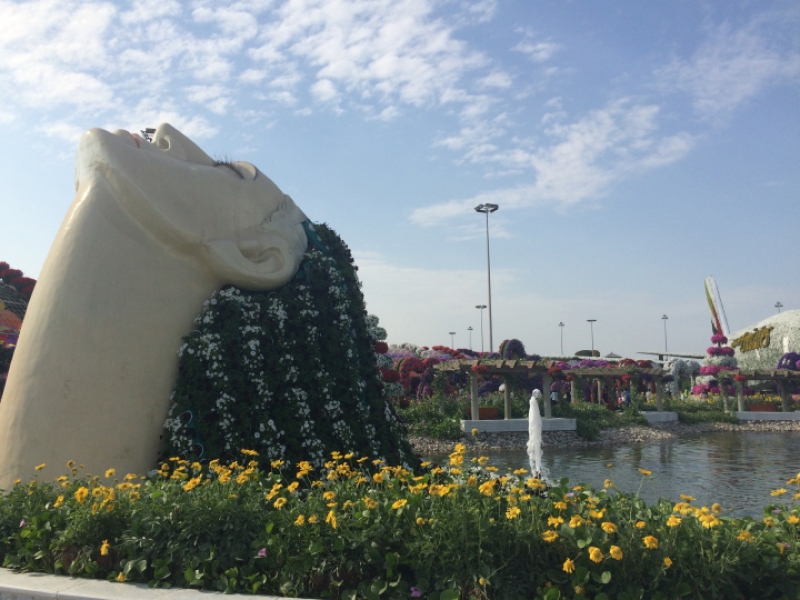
452 343
486 209
470 336
561 326
779 306
481 307
666 351
591 329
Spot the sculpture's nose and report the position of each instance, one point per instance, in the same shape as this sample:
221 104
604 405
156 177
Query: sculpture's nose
177 145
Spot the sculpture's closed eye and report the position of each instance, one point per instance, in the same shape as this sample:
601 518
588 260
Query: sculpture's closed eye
230 165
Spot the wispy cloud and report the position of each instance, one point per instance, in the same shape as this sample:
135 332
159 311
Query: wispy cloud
732 67
106 58
576 162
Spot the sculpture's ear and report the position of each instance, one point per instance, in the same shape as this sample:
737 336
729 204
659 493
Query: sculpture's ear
265 259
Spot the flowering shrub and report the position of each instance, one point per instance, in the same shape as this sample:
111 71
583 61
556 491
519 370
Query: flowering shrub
292 373
358 528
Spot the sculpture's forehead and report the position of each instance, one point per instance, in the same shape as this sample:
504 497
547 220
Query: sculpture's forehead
170 154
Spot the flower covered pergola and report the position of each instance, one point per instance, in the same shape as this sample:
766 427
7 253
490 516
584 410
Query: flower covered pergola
601 371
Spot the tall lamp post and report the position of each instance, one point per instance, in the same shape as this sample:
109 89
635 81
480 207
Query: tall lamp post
452 343
561 327
666 351
481 307
591 329
470 336
486 209
779 306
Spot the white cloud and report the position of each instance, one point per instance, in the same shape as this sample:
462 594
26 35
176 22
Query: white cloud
538 51
577 162
324 90
732 67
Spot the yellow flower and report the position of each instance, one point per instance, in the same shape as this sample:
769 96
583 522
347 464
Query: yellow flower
474 431
609 465
512 513
59 501
104 548
716 508
328 496
279 503
492 469
560 505
110 473
554 521
520 471
292 486
769 521
608 527
276 464
120 577
645 472
673 521
191 484
487 487
423 464
81 494
597 514
709 521
608 484
420 521
369 502
650 542
686 498
39 467
482 581
575 521
331 518
299 520
778 492
313 519
377 478
615 552
595 554
640 525
793 520
667 562
549 536
568 566
399 504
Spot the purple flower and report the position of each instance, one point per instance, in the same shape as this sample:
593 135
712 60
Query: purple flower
23 523
569 494
415 593
777 511
262 553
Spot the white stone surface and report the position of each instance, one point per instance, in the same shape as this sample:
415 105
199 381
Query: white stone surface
768 416
499 425
659 417
153 230
39 586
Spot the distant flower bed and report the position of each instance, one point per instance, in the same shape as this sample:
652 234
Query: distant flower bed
359 528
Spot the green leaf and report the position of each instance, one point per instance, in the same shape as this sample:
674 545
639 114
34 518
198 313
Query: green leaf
449 595
378 586
270 527
582 543
605 577
552 593
581 576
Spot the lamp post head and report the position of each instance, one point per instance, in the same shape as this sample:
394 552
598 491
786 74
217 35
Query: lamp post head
560 324
469 328
665 317
591 320
486 208
481 306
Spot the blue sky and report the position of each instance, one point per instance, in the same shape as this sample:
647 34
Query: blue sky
633 147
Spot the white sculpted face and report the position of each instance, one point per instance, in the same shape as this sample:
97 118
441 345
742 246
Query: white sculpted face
153 230
246 225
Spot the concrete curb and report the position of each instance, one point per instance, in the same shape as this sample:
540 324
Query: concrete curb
508 425
41 586
660 417
768 416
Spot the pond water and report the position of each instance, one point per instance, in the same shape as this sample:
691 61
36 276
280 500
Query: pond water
736 469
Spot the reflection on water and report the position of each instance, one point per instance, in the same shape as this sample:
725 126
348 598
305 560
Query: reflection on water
736 469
